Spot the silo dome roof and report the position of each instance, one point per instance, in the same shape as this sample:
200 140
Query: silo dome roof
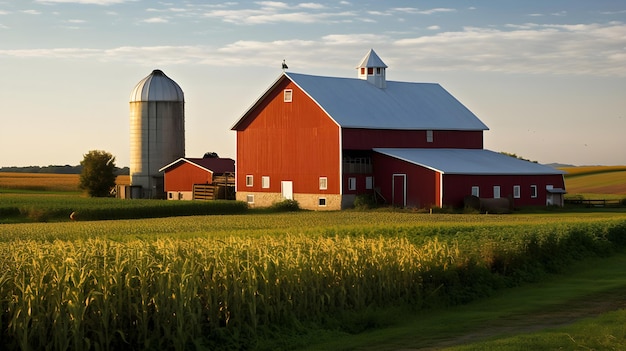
157 87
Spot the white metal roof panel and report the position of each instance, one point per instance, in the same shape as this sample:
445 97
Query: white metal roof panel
371 60
355 103
157 87
468 161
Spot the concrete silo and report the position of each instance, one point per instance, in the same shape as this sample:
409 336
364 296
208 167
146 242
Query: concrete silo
157 132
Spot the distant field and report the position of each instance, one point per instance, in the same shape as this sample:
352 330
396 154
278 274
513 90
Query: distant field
608 180
45 181
596 180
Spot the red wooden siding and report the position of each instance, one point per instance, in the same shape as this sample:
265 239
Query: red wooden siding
293 141
422 184
456 187
183 176
366 139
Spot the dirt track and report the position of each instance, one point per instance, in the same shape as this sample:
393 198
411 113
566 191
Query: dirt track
556 316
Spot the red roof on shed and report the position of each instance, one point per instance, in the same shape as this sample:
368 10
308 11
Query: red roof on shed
213 165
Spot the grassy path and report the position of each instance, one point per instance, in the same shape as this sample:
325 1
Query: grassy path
592 288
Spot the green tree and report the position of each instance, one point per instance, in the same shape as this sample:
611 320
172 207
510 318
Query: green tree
98 174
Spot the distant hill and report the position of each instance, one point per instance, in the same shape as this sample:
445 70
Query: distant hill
559 165
67 169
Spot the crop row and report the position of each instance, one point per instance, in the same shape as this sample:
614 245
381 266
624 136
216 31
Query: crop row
227 290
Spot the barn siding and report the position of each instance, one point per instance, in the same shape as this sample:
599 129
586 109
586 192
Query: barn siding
183 176
293 141
367 139
422 184
456 187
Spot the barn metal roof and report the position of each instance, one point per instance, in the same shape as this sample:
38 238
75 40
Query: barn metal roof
468 161
371 60
356 103
213 165
157 87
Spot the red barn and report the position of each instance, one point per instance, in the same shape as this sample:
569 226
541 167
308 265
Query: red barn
182 174
323 140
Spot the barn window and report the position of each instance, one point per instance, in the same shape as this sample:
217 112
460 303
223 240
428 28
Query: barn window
323 183
476 191
362 70
516 191
496 192
533 191
321 202
249 180
378 70
287 95
250 199
370 70
429 136
351 183
265 182
369 182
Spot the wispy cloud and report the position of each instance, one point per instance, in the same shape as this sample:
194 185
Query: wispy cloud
594 49
32 12
88 2
156 20
589 49
268 12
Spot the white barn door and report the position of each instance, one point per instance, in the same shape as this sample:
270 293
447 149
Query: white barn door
286 187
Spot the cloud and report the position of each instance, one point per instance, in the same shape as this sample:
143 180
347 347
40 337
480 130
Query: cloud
433 27
413 10
88 2
311 5
156 20
593 49
271 12
574 49
32 12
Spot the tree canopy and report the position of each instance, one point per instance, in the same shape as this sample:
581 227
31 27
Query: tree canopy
98 174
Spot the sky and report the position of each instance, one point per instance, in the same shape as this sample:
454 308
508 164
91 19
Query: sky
547 77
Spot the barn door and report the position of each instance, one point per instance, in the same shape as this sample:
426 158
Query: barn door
398 190
287 189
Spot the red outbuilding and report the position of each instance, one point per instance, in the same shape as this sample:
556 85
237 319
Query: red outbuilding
183 174
324 140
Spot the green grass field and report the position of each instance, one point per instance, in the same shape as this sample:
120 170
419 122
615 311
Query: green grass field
272 281
596 182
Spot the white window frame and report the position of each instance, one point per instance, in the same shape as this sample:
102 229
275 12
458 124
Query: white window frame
321 201
352 183
250 198
323 183
517 191
496 192
249 180
287 95
265 182
369 182
476 191
533 191
429 136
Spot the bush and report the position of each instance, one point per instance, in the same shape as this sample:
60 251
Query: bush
286 206
365 201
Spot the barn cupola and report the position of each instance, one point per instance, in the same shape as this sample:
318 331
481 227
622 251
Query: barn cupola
372 69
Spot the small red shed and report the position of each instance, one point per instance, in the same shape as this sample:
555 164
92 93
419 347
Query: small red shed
182 174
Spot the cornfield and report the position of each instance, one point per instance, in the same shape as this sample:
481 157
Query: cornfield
220 290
